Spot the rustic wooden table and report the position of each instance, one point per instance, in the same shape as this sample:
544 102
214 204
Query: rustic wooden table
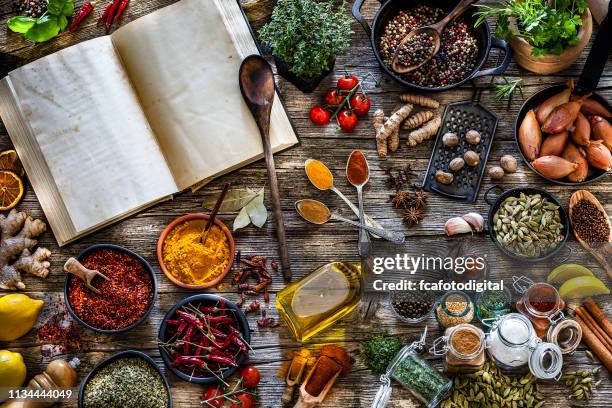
309 246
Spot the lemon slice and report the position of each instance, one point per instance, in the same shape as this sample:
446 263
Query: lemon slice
10 161
322 293
583 286
566 272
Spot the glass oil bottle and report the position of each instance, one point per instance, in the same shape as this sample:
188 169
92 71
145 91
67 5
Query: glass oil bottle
320 299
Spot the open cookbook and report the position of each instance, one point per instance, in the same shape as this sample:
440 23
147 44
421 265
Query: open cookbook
113 125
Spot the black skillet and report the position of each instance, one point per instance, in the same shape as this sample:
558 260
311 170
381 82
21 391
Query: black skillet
593 67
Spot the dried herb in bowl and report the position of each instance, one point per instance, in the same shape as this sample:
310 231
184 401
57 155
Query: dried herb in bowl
379 351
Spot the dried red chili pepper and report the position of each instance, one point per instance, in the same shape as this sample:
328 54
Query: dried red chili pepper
111 15
221 359
122 7
80 15
252 307
104 14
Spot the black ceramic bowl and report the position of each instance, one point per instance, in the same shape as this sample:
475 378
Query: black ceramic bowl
391 8
114 357
211 300
531 103
515 192
146 266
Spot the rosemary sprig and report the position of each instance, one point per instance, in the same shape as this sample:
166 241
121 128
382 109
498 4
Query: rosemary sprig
507 89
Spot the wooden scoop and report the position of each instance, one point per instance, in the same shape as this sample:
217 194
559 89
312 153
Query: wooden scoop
76 268
306 400
435 30
603 252
257 87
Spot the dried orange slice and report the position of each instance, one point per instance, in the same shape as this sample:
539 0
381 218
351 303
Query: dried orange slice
10 161
11 189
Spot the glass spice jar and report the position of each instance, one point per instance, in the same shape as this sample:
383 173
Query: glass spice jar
423 381
463 346
454 308
491 304
515 348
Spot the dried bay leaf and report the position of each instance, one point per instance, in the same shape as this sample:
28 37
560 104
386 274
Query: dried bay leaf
257 210
242 219
234 200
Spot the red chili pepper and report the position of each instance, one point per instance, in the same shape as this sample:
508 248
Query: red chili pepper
102 18
80 15
221 359
189 318
218 320
186 339
183 360
111 15
199 348
122 7
218 333
222 307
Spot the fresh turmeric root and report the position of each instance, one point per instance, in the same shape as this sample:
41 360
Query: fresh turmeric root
416 120
18 231
390 129
425 132
378 120
420 100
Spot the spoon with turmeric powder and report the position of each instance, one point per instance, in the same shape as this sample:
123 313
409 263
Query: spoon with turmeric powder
318 213
322 178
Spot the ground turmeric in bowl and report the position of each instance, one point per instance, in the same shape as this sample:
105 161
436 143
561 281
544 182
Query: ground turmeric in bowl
192 262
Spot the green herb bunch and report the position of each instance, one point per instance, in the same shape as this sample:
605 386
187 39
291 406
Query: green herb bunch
47 26
550 26
379 351
307 34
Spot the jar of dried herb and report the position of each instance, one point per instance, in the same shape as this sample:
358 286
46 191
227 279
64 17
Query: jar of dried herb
454 308
463 346
515 348
491 304
423 381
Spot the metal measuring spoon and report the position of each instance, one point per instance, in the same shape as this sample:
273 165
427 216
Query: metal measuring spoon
435 30
319 214
368 220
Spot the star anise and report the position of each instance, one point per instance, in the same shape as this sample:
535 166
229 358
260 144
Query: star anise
397 178
413 216
401 199
419 199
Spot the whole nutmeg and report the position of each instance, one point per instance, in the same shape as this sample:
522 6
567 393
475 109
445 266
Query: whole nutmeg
508 163
456 164
496 172
443 177
450 139
471 158
472 137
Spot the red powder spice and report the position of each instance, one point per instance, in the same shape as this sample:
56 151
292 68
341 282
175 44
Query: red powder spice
123 299
357 170
60 331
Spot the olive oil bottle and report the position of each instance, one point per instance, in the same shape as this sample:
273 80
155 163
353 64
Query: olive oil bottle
320 299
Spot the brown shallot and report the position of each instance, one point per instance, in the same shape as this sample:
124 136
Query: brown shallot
582 130
562 117
602 130
530 136
554 167
573 154
553 145
598 155
546 107
592 107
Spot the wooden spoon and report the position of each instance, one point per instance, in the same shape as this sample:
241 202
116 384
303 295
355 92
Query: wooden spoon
435 30
76 268
306 400
257 88
603 252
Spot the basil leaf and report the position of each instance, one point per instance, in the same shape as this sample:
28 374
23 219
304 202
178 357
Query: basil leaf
62 22
44 29
60 7
20 24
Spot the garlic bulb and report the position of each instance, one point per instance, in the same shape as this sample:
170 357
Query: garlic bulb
475 220
457 225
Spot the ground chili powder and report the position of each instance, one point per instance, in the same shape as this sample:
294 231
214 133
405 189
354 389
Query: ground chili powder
357 170
123 299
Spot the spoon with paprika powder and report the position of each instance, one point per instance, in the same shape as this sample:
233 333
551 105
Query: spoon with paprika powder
322 178
358 174
318 213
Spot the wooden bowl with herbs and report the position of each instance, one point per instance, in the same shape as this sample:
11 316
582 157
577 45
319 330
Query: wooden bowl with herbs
124 300
192 260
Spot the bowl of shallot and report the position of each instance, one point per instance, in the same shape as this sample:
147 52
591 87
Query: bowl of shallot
566 136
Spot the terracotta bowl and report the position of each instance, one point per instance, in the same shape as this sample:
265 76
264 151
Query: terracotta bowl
549 64
180 220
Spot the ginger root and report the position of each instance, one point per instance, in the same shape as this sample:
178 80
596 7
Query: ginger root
425 132
390 129
416 120
16 243
420 100
378 120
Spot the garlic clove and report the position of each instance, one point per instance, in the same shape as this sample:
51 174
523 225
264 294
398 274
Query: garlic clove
457 225
475 220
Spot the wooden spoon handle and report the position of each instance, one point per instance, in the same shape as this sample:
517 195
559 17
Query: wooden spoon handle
276 207
457 11
303 404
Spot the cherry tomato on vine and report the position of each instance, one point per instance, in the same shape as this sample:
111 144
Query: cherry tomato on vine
250 376
347 120
333 98
347 82
244 400
360 104
319 115
211 392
